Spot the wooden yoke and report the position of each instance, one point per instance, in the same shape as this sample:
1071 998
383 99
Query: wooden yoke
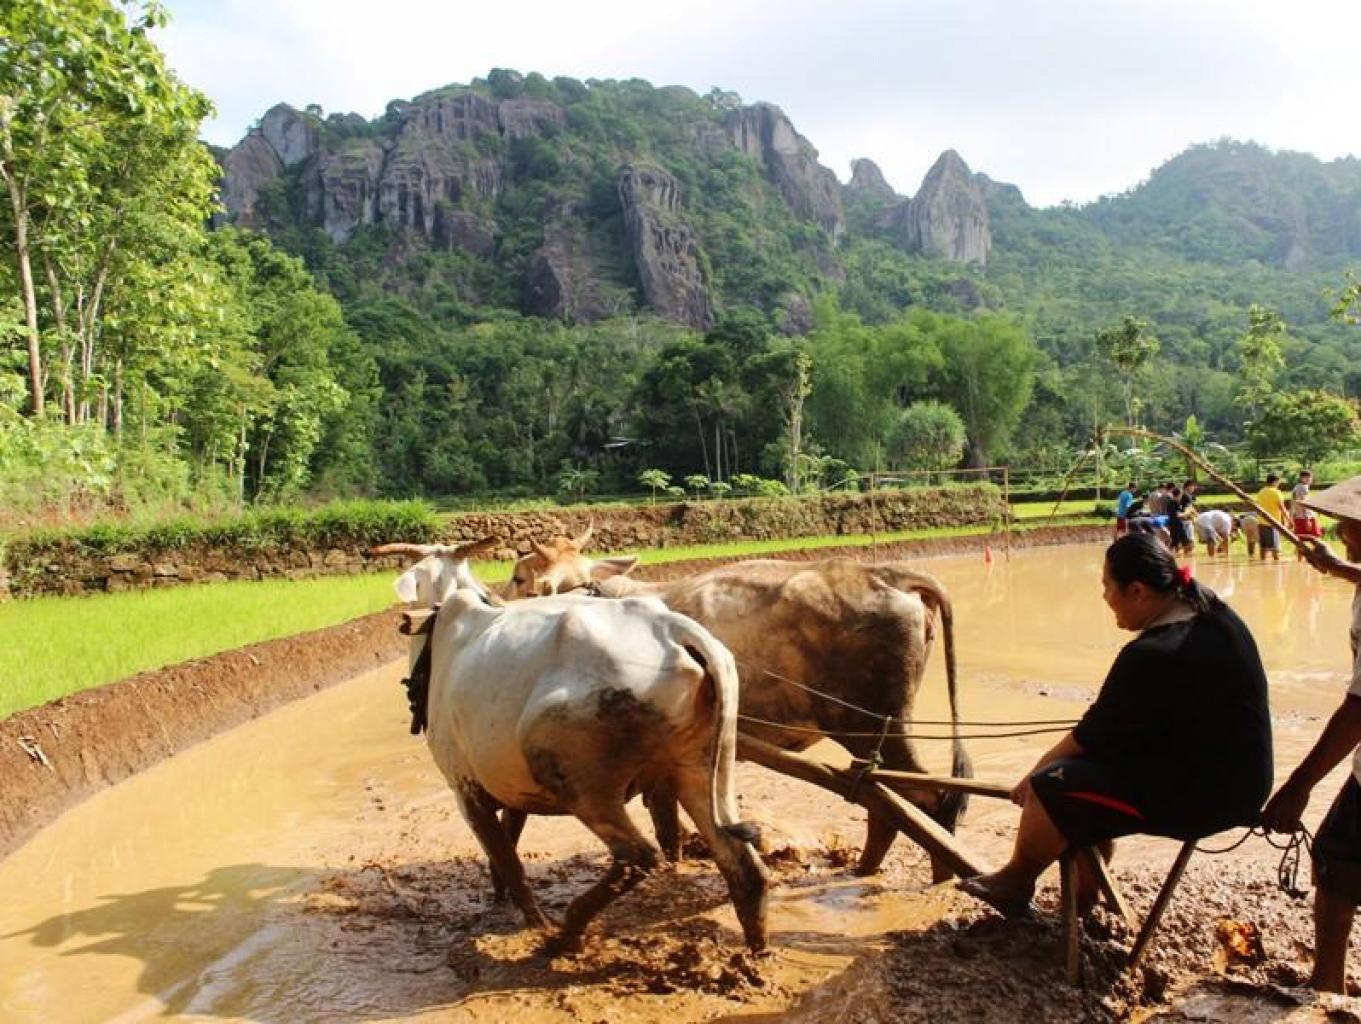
417 621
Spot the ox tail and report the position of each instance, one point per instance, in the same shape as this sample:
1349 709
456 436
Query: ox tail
953 805
903 577
720 673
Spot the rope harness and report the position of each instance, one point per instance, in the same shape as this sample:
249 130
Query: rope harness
1288 869
417 684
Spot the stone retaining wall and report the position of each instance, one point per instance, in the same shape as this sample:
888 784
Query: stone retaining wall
70 569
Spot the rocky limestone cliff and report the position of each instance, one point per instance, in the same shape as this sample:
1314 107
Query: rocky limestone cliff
283 137
868 180
665 249
764 133
948 217
248 167
560 281
290 133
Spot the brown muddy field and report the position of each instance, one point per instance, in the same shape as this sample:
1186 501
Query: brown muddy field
310 865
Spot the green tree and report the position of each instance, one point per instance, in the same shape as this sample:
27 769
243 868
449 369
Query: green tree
656 480
576 480
988 374
928 435
1128 347
1261 359
1308 425
99 162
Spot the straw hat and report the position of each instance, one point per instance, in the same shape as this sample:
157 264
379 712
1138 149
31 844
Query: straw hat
1340 501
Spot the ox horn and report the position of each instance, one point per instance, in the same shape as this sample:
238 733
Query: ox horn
444 550
472 548
580 542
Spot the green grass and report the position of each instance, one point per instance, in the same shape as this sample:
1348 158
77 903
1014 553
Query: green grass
51 647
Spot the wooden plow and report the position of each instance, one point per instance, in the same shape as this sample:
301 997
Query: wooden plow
878 789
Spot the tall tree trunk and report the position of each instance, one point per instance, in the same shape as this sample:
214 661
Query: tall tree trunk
699 429
19 205
89 327
66 343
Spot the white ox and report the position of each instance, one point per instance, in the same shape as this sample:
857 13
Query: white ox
859 632
573 706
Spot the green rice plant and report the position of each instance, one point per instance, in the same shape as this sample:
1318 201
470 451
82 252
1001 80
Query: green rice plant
51 647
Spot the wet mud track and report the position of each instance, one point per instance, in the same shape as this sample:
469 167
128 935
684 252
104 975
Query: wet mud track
310 866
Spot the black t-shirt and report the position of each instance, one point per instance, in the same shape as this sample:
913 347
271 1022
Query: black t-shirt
1187 703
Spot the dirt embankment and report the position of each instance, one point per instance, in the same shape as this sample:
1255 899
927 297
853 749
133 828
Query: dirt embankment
54 756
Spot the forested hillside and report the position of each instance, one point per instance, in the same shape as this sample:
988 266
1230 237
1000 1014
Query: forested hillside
525 284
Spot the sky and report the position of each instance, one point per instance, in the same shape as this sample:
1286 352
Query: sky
1068 99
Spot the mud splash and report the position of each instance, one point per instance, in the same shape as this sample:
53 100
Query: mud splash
310 866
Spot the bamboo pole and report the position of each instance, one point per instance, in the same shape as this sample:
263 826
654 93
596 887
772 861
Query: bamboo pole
1006 507
1210 471
946 783
1067 480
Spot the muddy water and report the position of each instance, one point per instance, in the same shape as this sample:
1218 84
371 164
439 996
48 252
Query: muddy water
310 865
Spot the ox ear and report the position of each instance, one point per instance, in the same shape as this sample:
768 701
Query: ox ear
604 568
418 582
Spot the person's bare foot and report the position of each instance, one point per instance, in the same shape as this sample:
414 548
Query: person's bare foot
1006 900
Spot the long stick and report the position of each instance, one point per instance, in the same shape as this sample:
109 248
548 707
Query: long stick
1067 479
944 783
1191 456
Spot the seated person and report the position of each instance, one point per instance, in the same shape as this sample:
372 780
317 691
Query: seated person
1178 742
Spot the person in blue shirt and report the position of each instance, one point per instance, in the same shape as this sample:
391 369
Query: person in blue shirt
1122 504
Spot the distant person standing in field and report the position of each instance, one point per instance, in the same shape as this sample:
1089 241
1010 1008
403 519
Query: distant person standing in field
1249 524
1304 522
1273 503
1122 504
1337 846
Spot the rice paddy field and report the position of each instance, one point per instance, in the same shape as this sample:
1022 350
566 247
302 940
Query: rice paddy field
52 647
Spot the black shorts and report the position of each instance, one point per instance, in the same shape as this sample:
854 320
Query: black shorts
1091 799
1337 846
1266 538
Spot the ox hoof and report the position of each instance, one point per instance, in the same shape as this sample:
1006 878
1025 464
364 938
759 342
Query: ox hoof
865 870
563 944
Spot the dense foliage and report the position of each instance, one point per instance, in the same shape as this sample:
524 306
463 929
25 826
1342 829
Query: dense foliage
145 359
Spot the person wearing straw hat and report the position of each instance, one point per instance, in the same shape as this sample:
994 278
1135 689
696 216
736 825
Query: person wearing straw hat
1337 846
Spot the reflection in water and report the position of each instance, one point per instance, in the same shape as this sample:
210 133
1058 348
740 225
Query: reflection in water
176 891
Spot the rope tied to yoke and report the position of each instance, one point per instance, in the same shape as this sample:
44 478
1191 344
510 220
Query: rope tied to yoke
873 762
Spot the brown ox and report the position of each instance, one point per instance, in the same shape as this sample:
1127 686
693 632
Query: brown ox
858 632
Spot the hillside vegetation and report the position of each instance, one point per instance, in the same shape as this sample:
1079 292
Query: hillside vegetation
528 284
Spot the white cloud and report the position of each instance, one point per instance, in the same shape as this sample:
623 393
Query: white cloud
1069 99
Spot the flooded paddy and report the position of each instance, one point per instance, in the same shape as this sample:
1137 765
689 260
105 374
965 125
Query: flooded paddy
311 865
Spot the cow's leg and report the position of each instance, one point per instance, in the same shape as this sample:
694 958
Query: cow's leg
736 859
897 754
662 806
633 857
512 823
479 808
